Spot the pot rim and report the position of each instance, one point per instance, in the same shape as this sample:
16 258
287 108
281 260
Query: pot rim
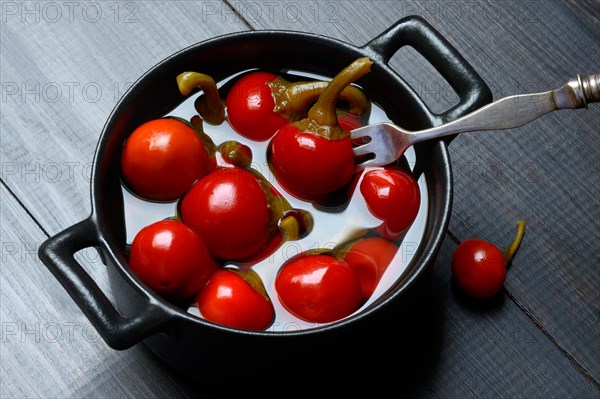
162 311
417 264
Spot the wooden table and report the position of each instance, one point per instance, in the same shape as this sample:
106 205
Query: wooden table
64 65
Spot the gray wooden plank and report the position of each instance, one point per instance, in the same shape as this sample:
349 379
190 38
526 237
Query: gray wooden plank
48 348
64 66
44 135
547 172
61 76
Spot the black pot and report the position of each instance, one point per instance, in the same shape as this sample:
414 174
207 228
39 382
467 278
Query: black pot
211 352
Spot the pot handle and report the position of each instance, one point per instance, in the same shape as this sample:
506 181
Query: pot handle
416 32
119 332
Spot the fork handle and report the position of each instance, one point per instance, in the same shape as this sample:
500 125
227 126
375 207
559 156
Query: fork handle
590 85
514 111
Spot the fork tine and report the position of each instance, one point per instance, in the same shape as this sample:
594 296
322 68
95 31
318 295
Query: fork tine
361 132
377 144
365 164
363 150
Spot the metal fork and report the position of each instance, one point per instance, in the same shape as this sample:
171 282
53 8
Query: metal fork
383 143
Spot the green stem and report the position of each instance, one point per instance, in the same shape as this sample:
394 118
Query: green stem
290 228
511 250
293 99
322 117
210 105
198 127
323 112
236 153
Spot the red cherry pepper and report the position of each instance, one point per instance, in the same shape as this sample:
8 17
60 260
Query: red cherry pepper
318 288
369 258
162 158
250 106
479 267
309 165
392 195
236 299
171 259
292 224
260 102
314 156
229 209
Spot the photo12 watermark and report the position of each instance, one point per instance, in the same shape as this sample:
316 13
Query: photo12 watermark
527 172
14 252
52 172
291 249
35 92
472 11
257 12
52 12
48 332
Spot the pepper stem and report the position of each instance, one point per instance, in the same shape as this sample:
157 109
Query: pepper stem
210 105
198 127
511 250
236 153
323 112
290 228
292 99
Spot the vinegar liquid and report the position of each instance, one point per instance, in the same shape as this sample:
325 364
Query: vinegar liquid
331 228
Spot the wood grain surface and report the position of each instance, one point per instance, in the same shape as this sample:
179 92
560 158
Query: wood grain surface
63 67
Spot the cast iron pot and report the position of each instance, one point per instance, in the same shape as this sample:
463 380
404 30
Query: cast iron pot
210 352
